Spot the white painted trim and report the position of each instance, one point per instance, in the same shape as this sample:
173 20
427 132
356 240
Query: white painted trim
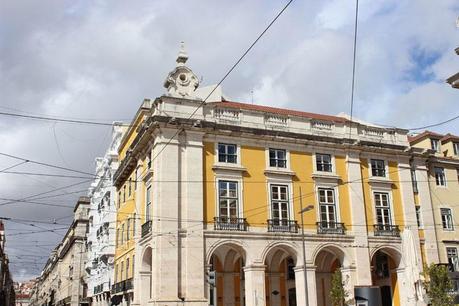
287 157
289 185
314 161
391 205
386 168
221 140
240 187
336 196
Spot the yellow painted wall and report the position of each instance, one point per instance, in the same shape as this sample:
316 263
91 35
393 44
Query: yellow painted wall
301 163
255 190
131 133
209 184
425 144
396 194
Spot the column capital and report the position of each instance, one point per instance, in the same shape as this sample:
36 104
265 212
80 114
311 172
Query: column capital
255 268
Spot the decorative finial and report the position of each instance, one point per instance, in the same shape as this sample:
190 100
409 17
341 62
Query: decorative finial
182 56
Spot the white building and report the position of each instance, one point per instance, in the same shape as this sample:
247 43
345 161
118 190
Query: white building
102 217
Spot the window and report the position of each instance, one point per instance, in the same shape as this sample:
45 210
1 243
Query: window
118 236
122 233
440 179
446 219
327 207
128 229
378 168
122 270
419 216
133 226
280 204
136 177
119 199
383 215
277 158
133 263
435 145
127 268
130 187
116 273
323 162
124 193
456 148
227 153
414 181
148 204
228 199
453 260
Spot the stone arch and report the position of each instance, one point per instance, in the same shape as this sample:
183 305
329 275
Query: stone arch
327 252
234 245
146 259
274 250
145 273
394 252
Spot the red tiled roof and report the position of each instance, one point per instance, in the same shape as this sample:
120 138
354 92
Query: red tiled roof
449 137
280 111
425 134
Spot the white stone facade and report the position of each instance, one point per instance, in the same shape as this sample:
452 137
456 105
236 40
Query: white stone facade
102 218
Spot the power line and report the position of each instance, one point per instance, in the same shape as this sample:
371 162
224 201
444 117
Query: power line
433 125
353 65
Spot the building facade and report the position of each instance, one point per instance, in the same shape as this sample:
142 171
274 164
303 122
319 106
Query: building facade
217 191
7 294
102 222
62 281
440 161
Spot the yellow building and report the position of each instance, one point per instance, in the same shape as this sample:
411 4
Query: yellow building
439 156
128 216
220 191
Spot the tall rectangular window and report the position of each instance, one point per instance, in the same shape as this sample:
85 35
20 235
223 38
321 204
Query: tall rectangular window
419 216
122 233
136 174
327 207
124 193
414 180
119 199
130 188
148 204
378 168
127 268
447 219
228 199
116 273
227 153
280 204
383 214
323 162
453 260
118 237
277 158
122 270
133 264
456 148
440 178
128 229
435 145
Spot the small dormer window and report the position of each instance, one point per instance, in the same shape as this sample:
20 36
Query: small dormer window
434 143
378 168
456 148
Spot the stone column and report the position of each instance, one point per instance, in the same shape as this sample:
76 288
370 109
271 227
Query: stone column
347 273
312 286
361 255
255 285
300 285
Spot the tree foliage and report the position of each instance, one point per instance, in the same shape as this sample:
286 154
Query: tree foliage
438 285
338 293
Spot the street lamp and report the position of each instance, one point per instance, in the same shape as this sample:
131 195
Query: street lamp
302 211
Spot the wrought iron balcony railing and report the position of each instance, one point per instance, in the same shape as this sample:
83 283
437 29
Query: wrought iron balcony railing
123 286
333 228
146 228
386 230
277 225
230 224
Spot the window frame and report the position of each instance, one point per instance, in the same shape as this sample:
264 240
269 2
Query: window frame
127 268
148 203
453 265
440 181
290 215
322 164
419 220
435 145
226 154
448 221
456 148
328 205
374 171
228 181
276 158
389 207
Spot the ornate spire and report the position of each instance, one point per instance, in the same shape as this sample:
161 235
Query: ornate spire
182 56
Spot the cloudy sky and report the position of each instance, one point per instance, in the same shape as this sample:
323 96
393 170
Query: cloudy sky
97 60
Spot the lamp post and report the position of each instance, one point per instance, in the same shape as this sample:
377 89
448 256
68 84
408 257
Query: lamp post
302 211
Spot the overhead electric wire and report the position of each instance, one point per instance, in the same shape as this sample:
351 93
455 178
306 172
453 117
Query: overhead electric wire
353 66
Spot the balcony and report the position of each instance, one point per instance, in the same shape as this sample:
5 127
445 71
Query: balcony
386 230
330 228
288 226
230 224
122 286
146 228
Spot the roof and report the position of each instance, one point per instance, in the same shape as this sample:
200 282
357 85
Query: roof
279 111
423 135
449 137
